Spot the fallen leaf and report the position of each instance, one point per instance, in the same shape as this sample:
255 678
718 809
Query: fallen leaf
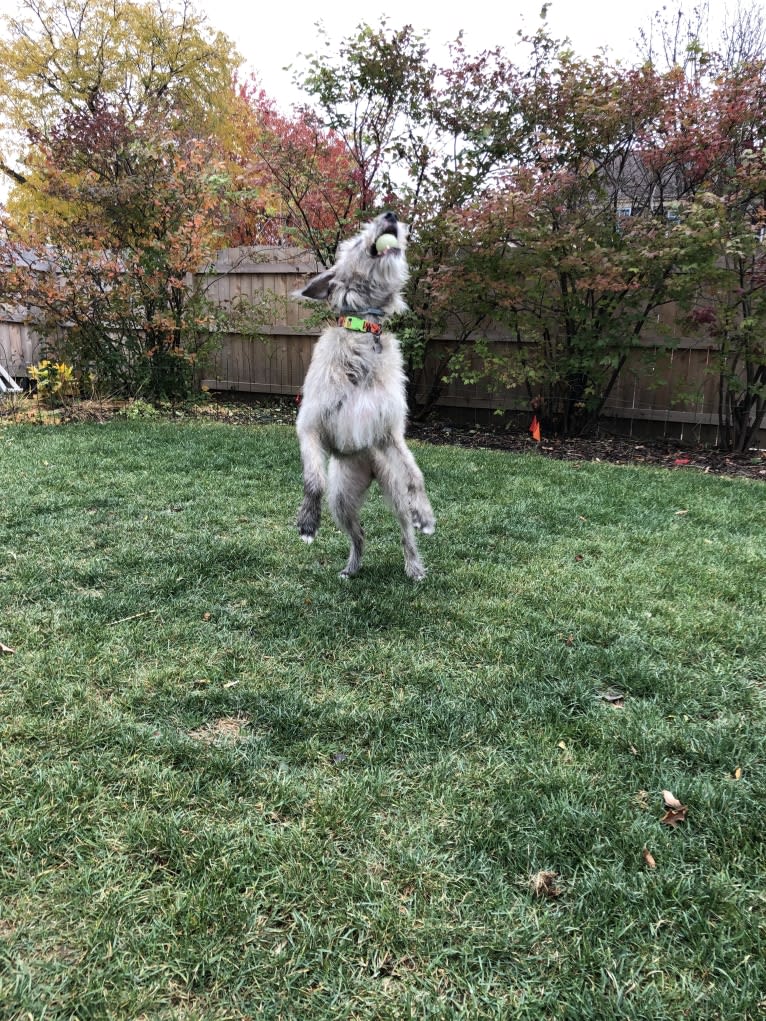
562 745
680 513
614 698
676 812
543 884
672 818
642 797
206 616
682 460
671 801
738 773
649 858
6 650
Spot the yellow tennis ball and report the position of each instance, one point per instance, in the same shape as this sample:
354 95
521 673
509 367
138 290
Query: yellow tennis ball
386 241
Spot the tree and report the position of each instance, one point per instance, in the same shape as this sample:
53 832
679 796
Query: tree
373 92
560 198
728 303
714 132
131 213
298 180
139 58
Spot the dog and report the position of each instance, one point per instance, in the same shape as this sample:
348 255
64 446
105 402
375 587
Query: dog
353 409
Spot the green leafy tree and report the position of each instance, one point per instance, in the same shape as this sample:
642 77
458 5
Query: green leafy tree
373 91
557 198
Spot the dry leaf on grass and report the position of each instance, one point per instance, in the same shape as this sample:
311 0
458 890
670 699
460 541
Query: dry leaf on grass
648 857
224 731
676 812
6 650
543 884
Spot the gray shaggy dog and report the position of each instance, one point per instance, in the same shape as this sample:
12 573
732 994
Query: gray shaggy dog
354 408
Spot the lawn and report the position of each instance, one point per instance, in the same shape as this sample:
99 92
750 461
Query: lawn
233 786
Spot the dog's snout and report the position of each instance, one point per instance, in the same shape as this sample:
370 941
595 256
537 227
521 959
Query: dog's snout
390 217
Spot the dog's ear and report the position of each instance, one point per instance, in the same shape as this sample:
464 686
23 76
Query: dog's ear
317 289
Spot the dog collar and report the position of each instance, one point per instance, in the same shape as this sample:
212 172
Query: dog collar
359 325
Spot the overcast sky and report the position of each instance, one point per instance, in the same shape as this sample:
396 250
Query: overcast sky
270 35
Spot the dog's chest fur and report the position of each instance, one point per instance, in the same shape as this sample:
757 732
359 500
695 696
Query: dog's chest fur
358 358
344 359
354 389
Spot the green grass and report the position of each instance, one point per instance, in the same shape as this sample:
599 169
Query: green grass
234 787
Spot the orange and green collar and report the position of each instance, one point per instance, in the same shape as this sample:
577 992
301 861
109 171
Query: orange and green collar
359 325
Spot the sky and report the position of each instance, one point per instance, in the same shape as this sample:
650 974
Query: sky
270 35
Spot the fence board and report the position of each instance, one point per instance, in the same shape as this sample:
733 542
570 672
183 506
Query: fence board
19 347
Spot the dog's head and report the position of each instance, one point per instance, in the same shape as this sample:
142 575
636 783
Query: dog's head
370 271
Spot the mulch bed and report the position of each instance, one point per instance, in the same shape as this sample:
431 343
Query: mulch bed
613 449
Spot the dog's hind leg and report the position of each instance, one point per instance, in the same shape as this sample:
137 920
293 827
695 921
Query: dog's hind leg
393 474
314 483
420 506
349 480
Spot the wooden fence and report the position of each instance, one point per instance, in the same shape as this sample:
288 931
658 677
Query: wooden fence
19 345
659 393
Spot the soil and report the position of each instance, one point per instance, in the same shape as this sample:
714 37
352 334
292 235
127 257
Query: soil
611 448
604 447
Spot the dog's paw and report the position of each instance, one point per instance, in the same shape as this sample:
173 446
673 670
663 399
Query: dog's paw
425 523
308 519
415 571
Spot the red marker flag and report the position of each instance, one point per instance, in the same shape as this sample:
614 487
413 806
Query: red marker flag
534 428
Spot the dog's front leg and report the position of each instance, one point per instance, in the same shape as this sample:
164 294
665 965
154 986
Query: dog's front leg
314 483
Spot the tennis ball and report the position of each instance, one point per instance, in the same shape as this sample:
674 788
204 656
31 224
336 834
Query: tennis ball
386 241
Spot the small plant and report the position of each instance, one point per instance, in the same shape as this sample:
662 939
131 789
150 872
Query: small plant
55 382
138 410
